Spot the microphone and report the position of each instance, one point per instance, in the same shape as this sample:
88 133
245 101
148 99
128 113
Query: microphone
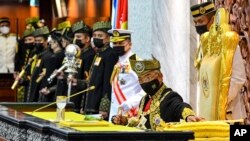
88 89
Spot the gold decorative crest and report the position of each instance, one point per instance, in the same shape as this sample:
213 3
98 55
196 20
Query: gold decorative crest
139 67
202 10
116 33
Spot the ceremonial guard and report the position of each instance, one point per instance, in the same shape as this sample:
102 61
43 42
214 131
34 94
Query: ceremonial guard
98 100
26 44
25 52
67 38
47 89
160 102
67 34
8 45
22 62
126 89
82 35
41 52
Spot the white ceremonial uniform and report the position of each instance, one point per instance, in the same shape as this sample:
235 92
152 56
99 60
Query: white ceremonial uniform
7 53
126 89
235 101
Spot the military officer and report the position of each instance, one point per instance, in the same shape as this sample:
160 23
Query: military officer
126 89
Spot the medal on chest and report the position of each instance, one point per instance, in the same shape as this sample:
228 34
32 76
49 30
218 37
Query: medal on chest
122 81
124 68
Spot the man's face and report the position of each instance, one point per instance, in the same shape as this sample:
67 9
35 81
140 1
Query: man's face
4 24
41 40
65 43
54 44
201 20
101 35
29 39
4 28
148 76
81 36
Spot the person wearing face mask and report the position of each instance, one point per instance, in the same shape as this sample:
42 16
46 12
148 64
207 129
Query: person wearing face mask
66 31
67 37
42 53
82 35
203 17
160 103
8 43
98 100
47 90
126 90
25 47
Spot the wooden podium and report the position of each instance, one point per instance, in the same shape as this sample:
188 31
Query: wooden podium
6 93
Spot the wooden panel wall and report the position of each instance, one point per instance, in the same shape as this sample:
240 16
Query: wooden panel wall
90 11
17 12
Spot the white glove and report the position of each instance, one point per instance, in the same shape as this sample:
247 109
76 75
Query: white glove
126 106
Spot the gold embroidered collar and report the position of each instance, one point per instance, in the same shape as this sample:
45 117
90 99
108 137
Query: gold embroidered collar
154 104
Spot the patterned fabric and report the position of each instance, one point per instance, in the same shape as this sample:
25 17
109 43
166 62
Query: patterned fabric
105 104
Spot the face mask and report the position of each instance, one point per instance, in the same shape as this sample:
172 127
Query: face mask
39 47
29 45
201 29
151 87
79 43
119 50
5 29
98 42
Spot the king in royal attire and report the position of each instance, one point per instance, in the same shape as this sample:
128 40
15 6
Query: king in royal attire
160 102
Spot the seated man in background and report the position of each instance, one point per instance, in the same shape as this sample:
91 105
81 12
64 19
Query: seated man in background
160 103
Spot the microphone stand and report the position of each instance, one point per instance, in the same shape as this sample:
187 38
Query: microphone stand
88 89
